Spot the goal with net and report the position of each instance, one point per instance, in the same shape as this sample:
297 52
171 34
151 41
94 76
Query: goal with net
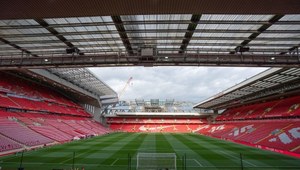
156 161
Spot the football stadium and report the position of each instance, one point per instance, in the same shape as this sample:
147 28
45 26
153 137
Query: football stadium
57 114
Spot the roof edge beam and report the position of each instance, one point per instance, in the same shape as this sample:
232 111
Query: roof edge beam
261 29
158 60
265 74
13 9
238 22
190 31
17 47
52 30
122 32
62 81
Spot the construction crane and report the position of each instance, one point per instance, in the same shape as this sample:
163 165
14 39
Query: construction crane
125 87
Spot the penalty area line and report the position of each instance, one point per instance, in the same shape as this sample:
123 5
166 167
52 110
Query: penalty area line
114 162
237 158
63 162
198 163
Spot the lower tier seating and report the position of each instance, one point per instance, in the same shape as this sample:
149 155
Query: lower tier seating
21 133
184 125
8 144
52 133
112 120
179 128
279 134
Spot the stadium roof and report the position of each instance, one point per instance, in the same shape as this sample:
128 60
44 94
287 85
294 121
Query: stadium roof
74 33
274 82
143 33
70 8
80 84
84 79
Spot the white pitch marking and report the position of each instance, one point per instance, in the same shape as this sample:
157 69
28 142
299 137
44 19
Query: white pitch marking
62 162
114 162
38 163
238 158
198 162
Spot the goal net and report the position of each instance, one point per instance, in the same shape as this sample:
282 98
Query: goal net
156 161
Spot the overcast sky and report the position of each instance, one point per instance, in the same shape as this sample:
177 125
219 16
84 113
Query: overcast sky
192 84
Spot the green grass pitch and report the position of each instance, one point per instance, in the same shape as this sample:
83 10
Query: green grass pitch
110 152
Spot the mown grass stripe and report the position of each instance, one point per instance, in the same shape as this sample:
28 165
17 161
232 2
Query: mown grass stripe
164 146
257 156
97 147
224 151
41 155
181 148
122 153
91 152
211 156
102 154
149 143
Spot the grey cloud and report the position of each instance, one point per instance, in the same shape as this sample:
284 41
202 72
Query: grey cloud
180 83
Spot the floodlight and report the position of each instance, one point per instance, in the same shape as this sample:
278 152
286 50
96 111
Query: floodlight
242 49
72 50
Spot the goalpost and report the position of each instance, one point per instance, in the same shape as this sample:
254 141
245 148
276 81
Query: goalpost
156 161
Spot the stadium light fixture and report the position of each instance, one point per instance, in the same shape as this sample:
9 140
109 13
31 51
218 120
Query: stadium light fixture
72 50
46 60
242 49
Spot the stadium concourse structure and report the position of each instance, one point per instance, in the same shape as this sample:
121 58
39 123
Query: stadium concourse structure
60 38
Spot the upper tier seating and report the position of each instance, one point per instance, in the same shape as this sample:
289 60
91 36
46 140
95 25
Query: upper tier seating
21 94
278 108
15 85
7 102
